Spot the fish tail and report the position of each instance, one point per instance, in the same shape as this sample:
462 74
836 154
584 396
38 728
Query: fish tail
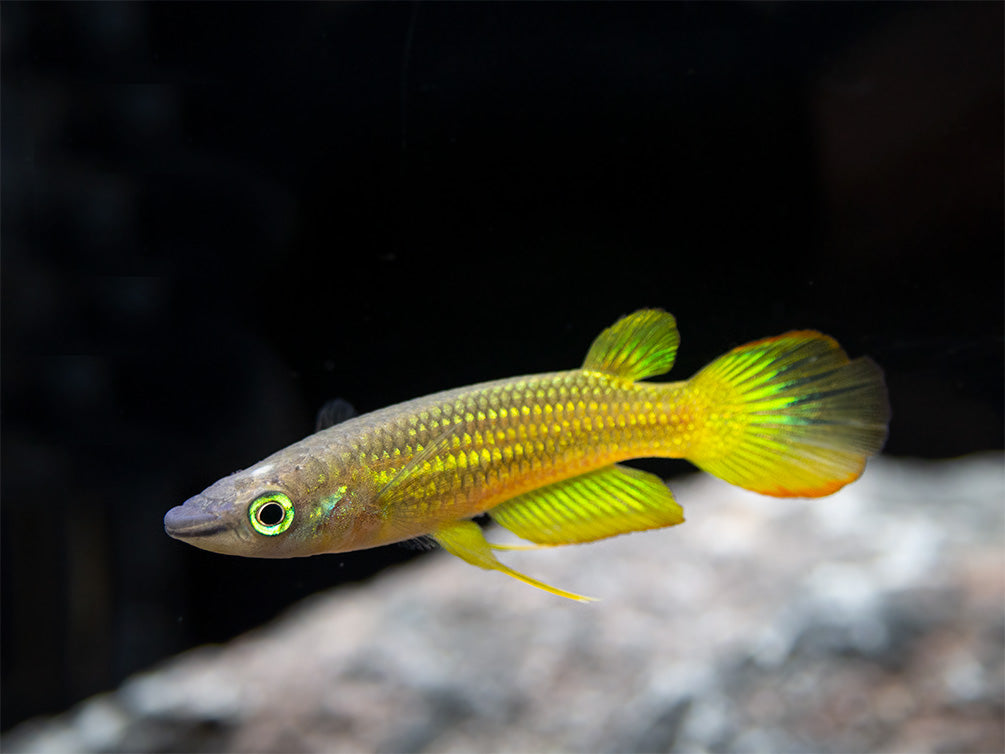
790 416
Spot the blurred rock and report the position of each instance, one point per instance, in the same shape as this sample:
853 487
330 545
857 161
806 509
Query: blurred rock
869 620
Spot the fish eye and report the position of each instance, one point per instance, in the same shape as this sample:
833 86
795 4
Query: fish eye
271 514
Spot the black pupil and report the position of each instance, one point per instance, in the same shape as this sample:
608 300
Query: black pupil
271 514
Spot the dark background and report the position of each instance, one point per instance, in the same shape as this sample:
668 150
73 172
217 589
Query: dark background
217 217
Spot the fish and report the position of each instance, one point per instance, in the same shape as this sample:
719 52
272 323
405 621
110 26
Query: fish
787 416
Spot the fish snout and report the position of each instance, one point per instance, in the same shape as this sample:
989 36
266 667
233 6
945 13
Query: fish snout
192 519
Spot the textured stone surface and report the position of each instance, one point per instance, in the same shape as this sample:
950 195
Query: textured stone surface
869 620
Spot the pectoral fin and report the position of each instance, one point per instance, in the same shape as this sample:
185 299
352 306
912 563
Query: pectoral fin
334 412
602 503
465 540
413 481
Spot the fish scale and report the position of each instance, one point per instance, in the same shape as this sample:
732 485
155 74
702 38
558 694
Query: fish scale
511 436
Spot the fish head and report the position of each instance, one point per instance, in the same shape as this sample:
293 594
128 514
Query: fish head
275 509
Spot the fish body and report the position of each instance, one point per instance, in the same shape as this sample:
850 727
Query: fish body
789 416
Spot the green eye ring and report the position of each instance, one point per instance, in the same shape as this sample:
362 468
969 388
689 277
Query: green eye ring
271 514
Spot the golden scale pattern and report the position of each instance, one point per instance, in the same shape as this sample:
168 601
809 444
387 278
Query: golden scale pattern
515 435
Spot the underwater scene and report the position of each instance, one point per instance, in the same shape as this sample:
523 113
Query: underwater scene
428 377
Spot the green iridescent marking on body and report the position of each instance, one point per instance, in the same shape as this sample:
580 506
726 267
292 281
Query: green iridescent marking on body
325 507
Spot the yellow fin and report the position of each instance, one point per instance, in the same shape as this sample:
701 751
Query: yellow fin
788 416
602 503
643 344
465 540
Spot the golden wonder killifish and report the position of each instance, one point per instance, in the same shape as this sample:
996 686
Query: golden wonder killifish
788 416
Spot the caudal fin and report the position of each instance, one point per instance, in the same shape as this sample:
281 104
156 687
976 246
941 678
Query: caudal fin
790 416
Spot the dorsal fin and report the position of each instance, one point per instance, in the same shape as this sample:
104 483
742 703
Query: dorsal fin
640 345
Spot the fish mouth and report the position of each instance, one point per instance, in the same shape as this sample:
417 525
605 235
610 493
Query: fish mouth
188 522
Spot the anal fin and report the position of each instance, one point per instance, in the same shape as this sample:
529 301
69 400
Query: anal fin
465 540
602 503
